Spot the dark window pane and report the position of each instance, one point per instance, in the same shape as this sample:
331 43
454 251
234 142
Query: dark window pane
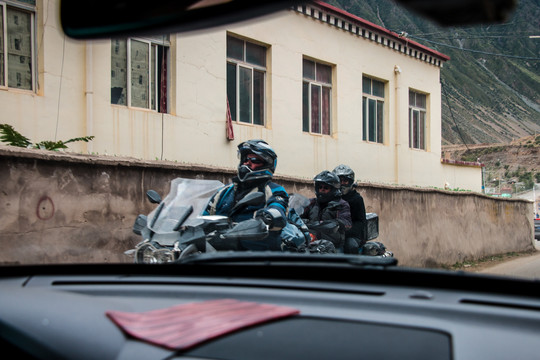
324 73
412 98
162 79
231 88
245 85
315 109
366 85
378 88
410 126
255 54
364 118
258 97
325 111
153 77
421 101
422 126
380 105
415 129
371 116
305 107
235 48
309 69
119 72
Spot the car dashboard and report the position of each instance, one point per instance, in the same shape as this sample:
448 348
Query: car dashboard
371 312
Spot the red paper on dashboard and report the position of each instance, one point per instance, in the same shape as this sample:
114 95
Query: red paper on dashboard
184 326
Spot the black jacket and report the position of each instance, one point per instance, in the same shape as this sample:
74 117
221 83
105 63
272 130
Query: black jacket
358 214
336 212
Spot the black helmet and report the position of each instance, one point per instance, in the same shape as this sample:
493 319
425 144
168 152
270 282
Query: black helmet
344 171
332 180
263 151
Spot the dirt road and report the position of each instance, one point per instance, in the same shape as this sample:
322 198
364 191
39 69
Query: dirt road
525 266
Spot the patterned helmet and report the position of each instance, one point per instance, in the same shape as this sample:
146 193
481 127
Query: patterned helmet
344 171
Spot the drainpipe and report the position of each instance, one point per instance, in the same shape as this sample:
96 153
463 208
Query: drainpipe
89 94
397 148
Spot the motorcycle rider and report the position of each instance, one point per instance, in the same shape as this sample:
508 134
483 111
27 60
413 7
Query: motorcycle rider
356 236
328 209
255 172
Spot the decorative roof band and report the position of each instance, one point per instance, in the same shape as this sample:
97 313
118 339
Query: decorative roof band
348 22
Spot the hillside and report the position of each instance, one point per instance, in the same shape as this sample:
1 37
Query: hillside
517 161
491 85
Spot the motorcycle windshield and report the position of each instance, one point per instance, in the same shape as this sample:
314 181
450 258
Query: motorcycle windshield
186 200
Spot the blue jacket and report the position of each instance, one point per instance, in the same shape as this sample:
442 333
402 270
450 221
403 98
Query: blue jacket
222 202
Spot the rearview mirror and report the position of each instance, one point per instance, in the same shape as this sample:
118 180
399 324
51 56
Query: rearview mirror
121 18
124 18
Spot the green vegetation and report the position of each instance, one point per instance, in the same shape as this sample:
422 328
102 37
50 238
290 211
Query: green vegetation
473 155
12 137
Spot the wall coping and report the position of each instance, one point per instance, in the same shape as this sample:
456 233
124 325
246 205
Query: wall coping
107 160
463 163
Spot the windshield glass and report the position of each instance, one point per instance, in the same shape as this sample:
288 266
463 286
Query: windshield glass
324 128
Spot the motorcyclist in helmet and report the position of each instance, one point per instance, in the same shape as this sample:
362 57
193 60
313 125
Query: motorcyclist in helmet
356 236
255 172
328 216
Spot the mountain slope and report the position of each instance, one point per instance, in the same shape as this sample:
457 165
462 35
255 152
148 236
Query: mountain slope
491 85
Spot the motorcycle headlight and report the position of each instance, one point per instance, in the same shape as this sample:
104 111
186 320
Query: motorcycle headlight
149 254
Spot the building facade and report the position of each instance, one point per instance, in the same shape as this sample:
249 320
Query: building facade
322 86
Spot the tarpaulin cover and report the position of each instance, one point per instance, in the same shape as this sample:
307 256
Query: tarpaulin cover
183 326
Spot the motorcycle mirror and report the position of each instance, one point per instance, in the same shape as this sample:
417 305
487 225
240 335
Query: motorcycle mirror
140 224
153 196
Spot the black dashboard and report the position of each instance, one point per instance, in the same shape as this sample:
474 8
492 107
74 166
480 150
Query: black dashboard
375 313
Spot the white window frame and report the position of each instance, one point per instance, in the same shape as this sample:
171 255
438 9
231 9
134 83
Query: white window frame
366 98
239 64
152 47
421 122
321 85
32 11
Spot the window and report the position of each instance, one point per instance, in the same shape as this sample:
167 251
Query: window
17 61
417 120
144 69
316 97
373 110
246 73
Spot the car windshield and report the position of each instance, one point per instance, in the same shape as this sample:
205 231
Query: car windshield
345 128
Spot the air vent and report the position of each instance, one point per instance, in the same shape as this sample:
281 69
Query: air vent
507 305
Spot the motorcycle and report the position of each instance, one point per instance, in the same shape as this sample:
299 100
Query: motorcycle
176 228
298 202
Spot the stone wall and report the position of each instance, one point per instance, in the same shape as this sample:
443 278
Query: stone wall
66 208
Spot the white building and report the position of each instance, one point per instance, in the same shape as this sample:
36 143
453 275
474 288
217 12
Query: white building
322 86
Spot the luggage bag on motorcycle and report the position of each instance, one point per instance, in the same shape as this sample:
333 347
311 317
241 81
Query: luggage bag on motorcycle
372 221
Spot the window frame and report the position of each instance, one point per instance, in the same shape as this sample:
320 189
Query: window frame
235 106
418 138
32 10
307 99
373 106
154 71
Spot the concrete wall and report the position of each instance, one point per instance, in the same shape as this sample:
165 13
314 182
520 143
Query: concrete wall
58 207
